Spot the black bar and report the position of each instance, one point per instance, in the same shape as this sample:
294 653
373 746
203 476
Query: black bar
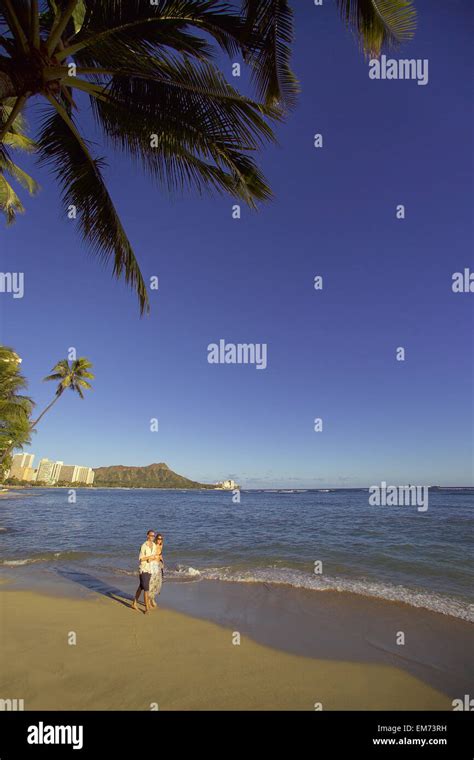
324 734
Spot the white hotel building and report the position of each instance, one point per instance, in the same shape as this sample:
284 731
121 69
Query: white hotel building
49 471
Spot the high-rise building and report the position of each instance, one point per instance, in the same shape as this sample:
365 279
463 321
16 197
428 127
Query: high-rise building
29 474
49 471
45 471
85 475
20 462
68 473
56 472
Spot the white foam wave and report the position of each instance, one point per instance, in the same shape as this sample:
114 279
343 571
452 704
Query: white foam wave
282 576
44 558
179 572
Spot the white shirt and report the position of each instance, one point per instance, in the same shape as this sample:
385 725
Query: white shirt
146 551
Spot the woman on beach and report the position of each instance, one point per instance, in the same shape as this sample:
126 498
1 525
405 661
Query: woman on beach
156 570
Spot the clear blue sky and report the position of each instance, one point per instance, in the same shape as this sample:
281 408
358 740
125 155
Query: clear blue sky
331 354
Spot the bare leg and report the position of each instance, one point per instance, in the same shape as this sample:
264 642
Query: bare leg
137 597
147 602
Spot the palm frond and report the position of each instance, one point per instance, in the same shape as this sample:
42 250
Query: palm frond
144 27
379 23
55 377
24 179
79 176
201 125
269 34
10 204
19 142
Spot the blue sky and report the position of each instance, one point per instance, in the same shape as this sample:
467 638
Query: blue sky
331 353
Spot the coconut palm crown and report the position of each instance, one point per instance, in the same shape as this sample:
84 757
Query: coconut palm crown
147 70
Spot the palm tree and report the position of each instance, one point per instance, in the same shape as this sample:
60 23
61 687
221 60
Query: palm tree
147 72
14 137
73 375
15 408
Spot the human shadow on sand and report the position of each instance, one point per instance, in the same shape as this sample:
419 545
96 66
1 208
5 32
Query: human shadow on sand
97 585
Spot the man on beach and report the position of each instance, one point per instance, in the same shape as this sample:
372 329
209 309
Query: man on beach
147 554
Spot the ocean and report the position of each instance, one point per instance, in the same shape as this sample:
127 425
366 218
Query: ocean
311 539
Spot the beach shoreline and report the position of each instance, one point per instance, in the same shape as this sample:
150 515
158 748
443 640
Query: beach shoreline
297 648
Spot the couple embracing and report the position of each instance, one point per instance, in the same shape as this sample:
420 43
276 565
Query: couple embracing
150 570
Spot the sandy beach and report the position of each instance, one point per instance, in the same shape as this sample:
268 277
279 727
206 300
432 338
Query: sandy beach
169 660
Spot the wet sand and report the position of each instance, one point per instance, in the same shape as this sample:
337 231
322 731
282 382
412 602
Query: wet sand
297 648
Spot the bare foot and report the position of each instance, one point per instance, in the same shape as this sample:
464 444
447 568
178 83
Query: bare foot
134 607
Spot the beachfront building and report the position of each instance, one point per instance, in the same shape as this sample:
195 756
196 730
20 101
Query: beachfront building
228 485
56 471
20 463
29 475
85 475
49 471
82 474
68 473
45 471
73 473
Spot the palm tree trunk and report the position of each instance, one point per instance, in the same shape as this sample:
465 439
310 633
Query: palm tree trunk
46 409
35 30
32 426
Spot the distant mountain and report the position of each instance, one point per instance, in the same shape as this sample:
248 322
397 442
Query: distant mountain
151 476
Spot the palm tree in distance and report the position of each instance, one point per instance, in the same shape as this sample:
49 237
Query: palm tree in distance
156 94
73 375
